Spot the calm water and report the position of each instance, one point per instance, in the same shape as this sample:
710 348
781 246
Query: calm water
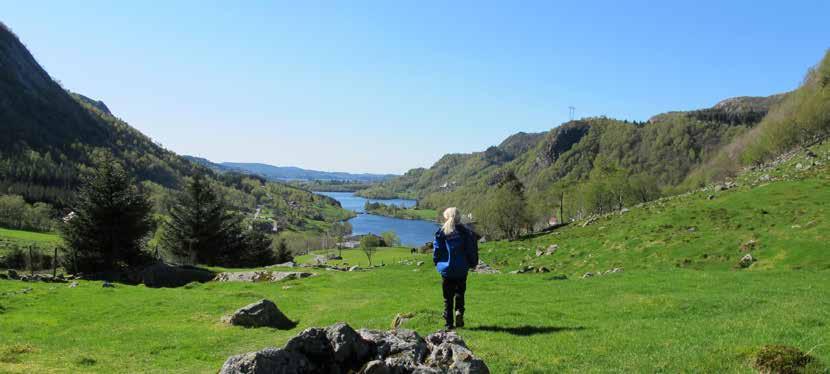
413 233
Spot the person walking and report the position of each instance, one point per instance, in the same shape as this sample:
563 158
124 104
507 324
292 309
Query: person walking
455 251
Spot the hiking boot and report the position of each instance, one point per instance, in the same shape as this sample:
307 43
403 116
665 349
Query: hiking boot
459 319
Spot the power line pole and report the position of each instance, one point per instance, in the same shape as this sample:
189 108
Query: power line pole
571 111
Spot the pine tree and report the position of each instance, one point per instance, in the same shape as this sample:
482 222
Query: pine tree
200 228
256 250
283 253
110 221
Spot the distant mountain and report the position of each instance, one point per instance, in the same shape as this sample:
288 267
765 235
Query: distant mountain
667 147
288 173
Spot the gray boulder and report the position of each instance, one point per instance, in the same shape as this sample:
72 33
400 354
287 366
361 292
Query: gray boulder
263 313
340 349
312 343
746 261
551 249
166 275
267 361
346 344
449 352
397 348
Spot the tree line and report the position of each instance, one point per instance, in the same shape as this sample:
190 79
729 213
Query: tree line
111 223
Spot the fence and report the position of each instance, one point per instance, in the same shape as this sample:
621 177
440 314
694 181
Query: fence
31 258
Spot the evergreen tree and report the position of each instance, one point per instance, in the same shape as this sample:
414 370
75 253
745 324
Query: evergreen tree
200 228
283 253
256 250
109 222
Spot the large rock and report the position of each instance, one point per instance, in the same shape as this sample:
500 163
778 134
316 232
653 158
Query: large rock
166 275
398 347
746 261
312 343
483 268
340 349
450 353
347 346
263 313
267 361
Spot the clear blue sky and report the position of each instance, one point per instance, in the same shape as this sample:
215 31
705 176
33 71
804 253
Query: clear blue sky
390 85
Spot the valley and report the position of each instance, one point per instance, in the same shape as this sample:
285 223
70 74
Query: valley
693 241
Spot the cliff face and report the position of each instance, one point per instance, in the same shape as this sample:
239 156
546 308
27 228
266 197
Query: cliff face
559 141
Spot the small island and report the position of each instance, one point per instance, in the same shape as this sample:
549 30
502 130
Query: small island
391 210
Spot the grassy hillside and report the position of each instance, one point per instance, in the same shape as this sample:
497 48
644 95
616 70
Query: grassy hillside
800 118
11 239
780 214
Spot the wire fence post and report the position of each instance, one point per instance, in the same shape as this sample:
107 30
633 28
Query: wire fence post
31 261
55 263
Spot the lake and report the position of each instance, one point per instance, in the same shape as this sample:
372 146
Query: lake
413 233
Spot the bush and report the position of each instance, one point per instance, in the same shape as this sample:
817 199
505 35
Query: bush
19 259
781 359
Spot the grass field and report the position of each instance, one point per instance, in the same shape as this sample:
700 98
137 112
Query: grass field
680 305
668 321
17 238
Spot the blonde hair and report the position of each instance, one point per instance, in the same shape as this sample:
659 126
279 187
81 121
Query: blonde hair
451 218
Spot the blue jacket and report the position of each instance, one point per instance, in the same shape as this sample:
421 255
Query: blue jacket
456 253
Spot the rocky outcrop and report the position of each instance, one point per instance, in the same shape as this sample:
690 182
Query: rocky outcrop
560 141
261 276
167 275
340 349
263 313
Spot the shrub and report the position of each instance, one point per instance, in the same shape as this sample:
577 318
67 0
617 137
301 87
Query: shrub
781 359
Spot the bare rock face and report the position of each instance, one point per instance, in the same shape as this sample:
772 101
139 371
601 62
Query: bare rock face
263 313
340 349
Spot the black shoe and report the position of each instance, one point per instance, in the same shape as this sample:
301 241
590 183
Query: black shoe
459 319
449 327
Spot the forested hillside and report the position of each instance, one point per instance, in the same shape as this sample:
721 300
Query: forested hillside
555 169
51 138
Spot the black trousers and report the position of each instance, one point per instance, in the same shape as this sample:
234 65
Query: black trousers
453 296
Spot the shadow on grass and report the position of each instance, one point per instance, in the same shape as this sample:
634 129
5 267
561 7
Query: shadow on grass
527 330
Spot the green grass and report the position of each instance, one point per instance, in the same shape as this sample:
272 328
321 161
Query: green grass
409 213
679 306
383 255
788 219
37 237
22 239
670 321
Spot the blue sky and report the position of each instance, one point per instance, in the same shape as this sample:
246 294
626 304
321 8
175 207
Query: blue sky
390 85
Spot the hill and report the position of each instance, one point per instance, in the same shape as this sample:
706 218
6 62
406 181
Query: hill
663 151
288 173
51 137
779 213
